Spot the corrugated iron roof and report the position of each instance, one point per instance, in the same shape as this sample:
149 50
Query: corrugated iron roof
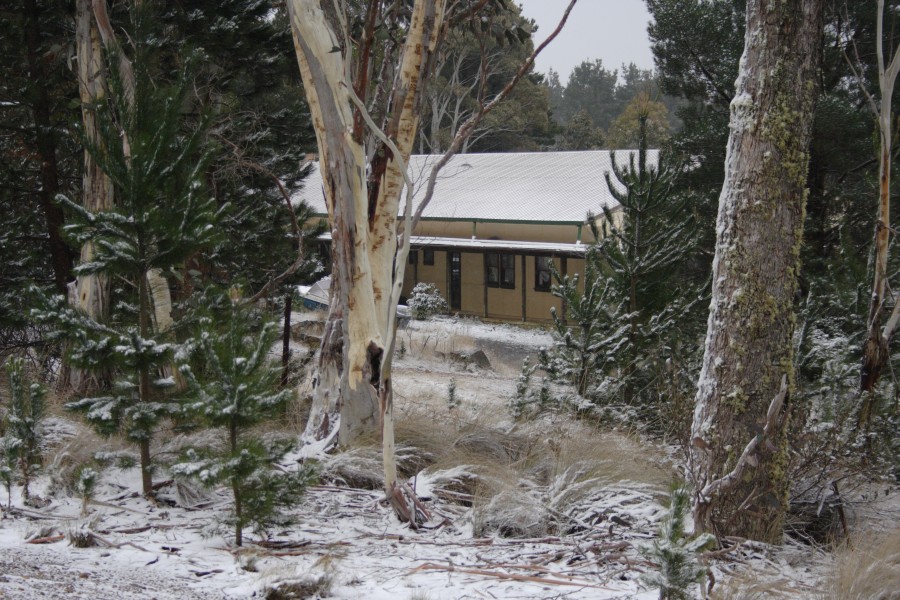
418 242
525 186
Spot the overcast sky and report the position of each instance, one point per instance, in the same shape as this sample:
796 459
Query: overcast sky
612 30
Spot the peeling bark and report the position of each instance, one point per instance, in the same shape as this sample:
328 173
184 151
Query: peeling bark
91 291
343 166
759 233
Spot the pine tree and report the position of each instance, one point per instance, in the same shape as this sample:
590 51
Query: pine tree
675 553
156 161
584 353
642 250
629 316
233 386
22 429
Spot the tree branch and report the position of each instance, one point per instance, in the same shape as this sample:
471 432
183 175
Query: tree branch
727 482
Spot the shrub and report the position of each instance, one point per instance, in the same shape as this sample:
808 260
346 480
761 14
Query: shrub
426 301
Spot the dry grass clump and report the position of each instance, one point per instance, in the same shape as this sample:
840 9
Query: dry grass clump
530 480
750 584
610 457
305 588
298 582
65 462
870 571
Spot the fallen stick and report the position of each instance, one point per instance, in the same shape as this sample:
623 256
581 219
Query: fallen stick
130 530
15 510
509 576
52 539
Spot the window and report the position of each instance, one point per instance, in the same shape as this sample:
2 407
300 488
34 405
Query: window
542 273
507 271
428 257
500 270
413 257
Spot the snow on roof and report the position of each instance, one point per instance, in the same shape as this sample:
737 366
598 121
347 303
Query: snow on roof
480 245
523 186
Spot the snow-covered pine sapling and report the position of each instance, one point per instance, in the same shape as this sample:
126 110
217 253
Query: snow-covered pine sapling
7 462
232 386
24 418
157 162
675 553
523 396
452 398
426 301
136 403
85 485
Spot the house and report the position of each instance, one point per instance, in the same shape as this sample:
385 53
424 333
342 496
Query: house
496 223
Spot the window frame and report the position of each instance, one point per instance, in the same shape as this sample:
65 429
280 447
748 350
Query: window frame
500 270
538 287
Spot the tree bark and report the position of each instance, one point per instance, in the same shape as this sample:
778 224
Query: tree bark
91 291
759 233
60 257
236 488
144 385
286 338
363 214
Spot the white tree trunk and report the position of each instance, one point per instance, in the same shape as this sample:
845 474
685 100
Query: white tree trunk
368 263
758 236
91 291
363 219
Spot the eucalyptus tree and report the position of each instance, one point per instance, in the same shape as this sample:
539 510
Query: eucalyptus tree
365 68
747 374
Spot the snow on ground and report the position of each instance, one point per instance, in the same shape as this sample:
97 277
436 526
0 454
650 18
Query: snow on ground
345 544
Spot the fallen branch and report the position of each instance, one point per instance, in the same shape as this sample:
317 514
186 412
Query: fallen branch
51 539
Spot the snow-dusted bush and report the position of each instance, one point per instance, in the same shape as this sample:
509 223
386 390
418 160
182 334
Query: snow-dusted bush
85 485
528 401
426 301
21 429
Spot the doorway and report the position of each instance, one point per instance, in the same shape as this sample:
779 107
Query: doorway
454 264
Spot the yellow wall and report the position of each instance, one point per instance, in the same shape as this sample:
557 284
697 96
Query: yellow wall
503 304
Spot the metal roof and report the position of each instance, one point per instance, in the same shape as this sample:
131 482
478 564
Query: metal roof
418 242
541 187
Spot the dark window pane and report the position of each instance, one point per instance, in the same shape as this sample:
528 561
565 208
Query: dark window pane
413 257
492 269
507 270
428 257
542 277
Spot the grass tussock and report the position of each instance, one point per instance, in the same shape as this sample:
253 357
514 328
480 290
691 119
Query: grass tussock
870 571
521 482
65 462
749 587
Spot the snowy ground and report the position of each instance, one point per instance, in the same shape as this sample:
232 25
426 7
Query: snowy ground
347 545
